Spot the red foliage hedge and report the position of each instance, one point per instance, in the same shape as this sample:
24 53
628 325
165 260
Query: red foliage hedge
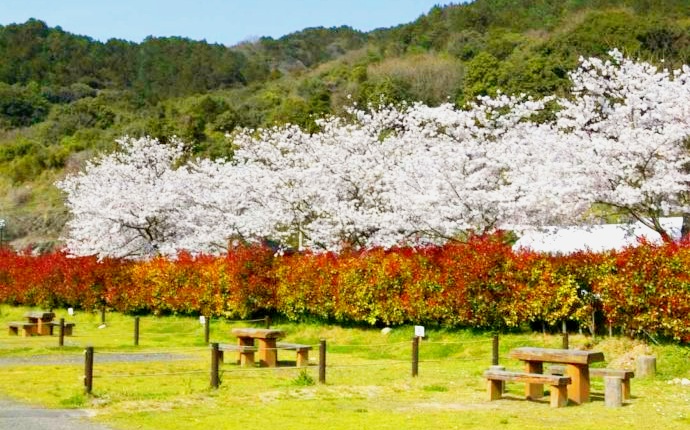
480 283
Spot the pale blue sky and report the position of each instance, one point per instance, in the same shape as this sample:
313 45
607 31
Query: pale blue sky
217 21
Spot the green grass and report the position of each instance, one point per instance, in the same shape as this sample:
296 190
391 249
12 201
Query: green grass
369 383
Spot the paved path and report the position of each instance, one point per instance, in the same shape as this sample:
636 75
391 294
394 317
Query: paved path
18 416
99 358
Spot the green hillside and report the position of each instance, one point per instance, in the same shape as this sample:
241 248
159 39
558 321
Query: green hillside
64 97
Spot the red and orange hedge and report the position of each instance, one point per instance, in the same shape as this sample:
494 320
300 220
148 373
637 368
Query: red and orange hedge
480 283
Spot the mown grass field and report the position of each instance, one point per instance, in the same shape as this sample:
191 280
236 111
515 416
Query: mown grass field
164 384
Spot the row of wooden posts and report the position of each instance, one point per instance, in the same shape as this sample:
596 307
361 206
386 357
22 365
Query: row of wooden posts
215 360
207 329
215 353
267 322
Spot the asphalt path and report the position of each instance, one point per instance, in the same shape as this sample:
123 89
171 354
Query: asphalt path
37 360
19 416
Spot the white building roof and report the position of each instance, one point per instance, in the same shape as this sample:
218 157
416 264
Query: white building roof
595 238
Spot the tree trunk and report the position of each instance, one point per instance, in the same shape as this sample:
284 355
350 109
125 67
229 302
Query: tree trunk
686 225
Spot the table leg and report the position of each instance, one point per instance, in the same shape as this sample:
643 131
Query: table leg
578 389
246 360
268 354
43 328
534 391
37 328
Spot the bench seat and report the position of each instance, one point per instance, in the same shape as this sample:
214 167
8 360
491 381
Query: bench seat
246 352
599 372
302 351
559 384
27 328
69 327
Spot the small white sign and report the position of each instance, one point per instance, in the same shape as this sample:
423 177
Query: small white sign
419 331
202 320
70 311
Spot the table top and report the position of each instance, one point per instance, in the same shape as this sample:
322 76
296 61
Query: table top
40 315
259 333
568 356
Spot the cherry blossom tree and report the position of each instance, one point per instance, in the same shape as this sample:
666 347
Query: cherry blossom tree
407 174
125 204
628 124
389 175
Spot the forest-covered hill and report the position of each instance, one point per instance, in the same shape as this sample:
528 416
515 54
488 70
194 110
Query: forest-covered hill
65 97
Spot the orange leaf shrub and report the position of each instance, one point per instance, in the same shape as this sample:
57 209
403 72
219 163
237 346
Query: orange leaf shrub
480 283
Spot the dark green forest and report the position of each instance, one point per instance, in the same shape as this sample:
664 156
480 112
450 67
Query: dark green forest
66 97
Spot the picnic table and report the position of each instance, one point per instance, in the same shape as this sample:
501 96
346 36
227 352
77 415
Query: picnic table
266 337
42 320
40 323
576 367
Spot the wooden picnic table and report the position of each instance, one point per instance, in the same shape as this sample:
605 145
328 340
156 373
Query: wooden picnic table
576 366
266 337
42 320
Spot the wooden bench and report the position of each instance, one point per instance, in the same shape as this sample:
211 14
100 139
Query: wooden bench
302 352
69 327
246 353
27 328
559 384
625 376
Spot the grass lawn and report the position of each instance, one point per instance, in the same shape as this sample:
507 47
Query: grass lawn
164 384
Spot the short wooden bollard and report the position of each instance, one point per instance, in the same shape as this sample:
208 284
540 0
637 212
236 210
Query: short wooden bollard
61 340
88 369
613 391
503 383
267 321
415 356
564 340
136 331
494 350
207 328
322 361
646 366
215 378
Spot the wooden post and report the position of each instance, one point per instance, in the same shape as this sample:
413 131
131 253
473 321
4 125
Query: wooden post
322 361
564 340
88 369
646 366
494 350
267 320
136 331
215 379
613 393
415 356
61 341
207 328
